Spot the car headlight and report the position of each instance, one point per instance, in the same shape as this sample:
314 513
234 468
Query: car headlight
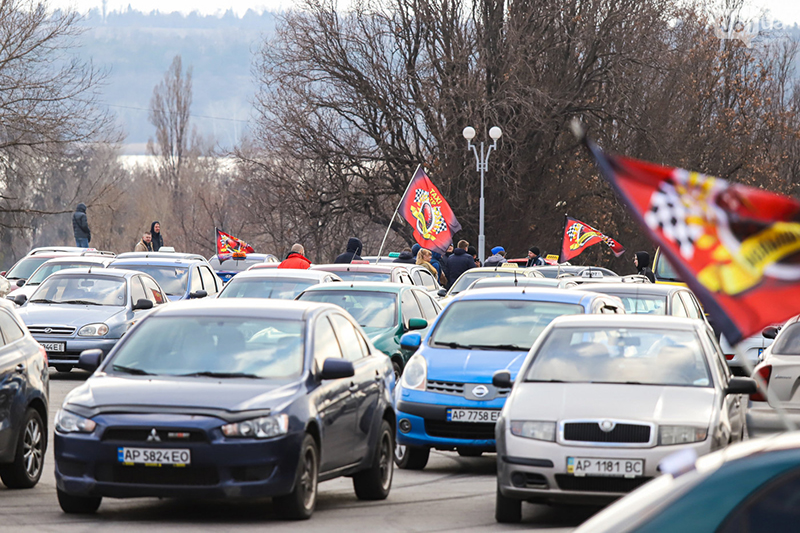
534 429
68 422
264 427
668 435
415 373
93 330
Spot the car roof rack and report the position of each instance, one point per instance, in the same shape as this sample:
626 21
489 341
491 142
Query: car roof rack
104 253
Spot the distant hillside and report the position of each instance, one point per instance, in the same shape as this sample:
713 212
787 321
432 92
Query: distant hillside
137 49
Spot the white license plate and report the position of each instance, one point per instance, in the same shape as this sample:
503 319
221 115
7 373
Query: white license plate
53 346
599 466
473 415
154 456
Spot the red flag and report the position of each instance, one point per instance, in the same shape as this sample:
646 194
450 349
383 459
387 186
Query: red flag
424 207
579 236
737 247
227 245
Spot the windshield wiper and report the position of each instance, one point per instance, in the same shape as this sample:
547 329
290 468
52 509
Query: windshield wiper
129 370
79 302
453 345
221 375
544 381
500 347
42 301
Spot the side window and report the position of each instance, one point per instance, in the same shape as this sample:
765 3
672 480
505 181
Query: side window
410 307
405 278
348 338
677 306
417 277
428 307
195 283
691 305
152 291
772 508
137 290
209 283
722 363
427 280
11 330
325 343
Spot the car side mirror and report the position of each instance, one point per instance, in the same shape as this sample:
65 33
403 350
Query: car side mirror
21 282
442 292
198 294
770 332
741 386
335 368
502 379
90 359
20 299
142 304
411 341
417 323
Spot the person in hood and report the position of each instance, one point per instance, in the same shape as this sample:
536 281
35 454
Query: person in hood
296 258
145 245
460 261
439 262
353 252
80 227
641 260
474 253
497 258
534 257
155 232
406 257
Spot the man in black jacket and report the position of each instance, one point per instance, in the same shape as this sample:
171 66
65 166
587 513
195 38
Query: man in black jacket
353 252
406 257
80 227
459 262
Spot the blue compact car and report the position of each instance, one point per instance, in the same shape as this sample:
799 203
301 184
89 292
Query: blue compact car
445 399
234 398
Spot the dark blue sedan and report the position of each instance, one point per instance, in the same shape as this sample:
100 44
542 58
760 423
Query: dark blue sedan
230 398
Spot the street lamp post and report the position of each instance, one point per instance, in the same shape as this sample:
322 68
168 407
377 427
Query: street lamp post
483 165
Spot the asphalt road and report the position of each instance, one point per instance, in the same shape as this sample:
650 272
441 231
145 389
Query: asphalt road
451 494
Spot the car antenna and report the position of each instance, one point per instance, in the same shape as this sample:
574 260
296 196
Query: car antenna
515 278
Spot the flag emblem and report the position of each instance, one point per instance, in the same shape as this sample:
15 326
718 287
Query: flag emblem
424 207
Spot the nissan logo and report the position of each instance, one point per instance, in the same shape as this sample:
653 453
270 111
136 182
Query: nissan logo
480 391
48 330
607 425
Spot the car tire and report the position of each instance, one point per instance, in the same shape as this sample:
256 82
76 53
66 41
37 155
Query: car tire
469 452
300 503
78 504
412 458
26 470
398 371
375 482
64 368
507 510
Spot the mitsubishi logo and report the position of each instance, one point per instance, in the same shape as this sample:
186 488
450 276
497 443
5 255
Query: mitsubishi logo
480 391
607 425
153 436
48 330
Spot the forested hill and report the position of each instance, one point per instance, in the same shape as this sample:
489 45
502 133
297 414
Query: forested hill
137 48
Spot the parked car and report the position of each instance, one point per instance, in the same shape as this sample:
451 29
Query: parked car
24 391
385 310
163 255
279 283
56 265
467 278
228 268
554 271
255 398
445 399
601 400
26 266
391 273
518 281
181 279
82 309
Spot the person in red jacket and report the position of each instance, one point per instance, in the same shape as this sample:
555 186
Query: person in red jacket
296 259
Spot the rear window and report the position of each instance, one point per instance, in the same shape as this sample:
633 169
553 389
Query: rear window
364 276
25 267
788 342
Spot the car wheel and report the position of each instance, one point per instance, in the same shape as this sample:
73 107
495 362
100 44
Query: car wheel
300 503
64 368
376 482
470 452
26 469
77 504
507 510
411 457
397 372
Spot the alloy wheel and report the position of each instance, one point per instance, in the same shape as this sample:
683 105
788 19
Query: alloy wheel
32 444
308 479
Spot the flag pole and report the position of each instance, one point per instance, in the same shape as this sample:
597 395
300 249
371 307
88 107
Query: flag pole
561 251
385 235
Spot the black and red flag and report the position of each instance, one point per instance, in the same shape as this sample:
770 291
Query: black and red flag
424 207
578 236
227 245
737 247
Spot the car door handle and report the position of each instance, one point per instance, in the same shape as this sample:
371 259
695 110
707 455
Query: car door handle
20 368
377 376
353 387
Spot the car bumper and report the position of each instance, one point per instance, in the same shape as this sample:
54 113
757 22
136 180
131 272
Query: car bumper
88 465
763 420
73 347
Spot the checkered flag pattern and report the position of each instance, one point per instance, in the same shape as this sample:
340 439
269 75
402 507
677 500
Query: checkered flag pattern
669 214
440 225
420 195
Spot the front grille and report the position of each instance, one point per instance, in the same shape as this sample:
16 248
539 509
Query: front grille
591 432
599 484
142 434
459 430
446 387
54 330
165 475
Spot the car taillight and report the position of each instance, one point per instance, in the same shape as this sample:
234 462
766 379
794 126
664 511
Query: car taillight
44 354
730 356
764 373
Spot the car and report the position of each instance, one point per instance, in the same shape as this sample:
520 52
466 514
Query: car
554 271
282 283
229 267
263 266
24 392
163 255
465 280
445 399
601 400
591 277
518 281
181 279
56 265
749 486
255 398
384 310
83 308
26 266
389 273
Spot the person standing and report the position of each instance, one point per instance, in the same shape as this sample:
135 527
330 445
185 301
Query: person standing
296 258
155 232
460 261
641 260
424 259
534 257
145 245
405 257
474 253
353 252
80 227
497 258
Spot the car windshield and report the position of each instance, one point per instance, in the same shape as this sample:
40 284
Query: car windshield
279 288
788 342
639 356
225 347
641 304
25 267
664 270
81 289
351 275
497 324
49 268
371 309
467 278
173 279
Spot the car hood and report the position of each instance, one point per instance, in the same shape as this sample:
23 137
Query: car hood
647 403
470 366
197 392
67 315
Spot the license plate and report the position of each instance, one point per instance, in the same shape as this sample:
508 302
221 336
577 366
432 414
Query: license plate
473 415
760 351
598 466
53 346
154 456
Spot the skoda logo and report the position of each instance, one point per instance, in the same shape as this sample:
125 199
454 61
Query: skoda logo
153 436
48 330
480 391
607 425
